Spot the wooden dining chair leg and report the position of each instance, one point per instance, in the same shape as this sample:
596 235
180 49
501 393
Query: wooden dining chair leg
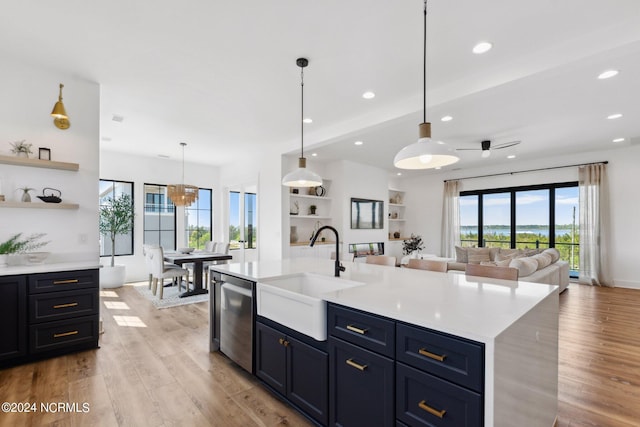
154 285
150 280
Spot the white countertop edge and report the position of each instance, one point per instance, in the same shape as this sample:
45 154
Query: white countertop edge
14 270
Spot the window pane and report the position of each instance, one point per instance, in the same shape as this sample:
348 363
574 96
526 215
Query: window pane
234 220
159 217
250 220
109 189
469 220
567 227
532 219
198 220
496 230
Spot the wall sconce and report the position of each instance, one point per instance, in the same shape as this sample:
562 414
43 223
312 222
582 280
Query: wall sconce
61 120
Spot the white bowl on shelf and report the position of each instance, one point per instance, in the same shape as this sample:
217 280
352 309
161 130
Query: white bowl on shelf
36 257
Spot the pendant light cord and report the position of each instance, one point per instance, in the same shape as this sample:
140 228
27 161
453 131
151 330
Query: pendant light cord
424 68
302 112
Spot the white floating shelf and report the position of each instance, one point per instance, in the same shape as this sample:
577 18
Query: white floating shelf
309 217
37 163
396 219
308 196
37 205
396 204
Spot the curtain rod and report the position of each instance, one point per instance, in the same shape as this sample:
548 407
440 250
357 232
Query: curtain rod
529 170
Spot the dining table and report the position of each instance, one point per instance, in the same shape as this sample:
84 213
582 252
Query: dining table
197 258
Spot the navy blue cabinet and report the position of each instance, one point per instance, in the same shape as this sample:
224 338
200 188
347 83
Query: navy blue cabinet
297 370
13 317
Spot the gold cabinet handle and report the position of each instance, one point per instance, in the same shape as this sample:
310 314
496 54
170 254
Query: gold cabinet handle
65 282
437 357
71 304
423 405
357 330
283 342
65 334
358 366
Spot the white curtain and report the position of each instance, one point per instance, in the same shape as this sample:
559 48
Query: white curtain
594 225
450 219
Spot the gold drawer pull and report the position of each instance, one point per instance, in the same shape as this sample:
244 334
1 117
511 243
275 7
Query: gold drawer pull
71 304
65 282
357 330
358 366
283 342
437 357
423 405
65 334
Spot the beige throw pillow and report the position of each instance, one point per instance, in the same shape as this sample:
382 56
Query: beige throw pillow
503 263
477 255
526 266
461 254
555 255
542 259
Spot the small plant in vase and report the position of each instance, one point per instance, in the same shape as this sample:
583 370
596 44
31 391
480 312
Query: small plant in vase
17 245
412 244
21 149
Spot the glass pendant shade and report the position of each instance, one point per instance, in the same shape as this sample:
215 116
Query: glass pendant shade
302 177
58 109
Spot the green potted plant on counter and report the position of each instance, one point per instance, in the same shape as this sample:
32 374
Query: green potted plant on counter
116 217
18 245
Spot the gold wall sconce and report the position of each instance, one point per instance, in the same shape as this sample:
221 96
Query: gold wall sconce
59 114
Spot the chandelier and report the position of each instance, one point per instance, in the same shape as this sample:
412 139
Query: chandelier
182 194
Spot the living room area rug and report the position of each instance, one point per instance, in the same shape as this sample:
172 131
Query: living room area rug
170 296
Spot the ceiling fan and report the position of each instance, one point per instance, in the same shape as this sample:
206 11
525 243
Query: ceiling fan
486 147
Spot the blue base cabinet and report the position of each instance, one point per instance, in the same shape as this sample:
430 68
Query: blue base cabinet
13 317
296 370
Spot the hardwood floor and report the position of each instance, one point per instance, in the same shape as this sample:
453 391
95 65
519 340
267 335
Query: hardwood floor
157 371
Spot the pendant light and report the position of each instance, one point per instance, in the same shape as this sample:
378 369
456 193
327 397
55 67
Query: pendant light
59 114
426 153
182 194
302 177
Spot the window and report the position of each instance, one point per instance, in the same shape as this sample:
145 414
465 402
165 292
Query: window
250 220
234 220
243 220
124 242
198 220
159 217
539 216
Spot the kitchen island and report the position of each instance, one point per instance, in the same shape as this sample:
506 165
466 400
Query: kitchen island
511 328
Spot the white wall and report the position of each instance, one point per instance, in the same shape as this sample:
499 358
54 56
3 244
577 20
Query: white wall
155 170
29 93
424 200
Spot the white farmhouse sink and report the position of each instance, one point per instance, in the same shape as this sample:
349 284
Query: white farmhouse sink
296 301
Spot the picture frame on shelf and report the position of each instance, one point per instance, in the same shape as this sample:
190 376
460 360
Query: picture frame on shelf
44 153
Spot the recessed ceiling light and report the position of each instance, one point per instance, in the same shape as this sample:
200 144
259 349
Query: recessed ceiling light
399 174
511 156
446 118
314 154
608 74
368 95
307 120
614 116
482 47
618 140
358 143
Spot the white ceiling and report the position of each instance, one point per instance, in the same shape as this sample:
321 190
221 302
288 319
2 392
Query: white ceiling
222 75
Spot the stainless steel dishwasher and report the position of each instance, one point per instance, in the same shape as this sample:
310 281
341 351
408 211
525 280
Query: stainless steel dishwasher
236 320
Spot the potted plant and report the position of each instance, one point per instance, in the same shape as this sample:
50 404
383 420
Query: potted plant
16 245
412 244
21 149
116 217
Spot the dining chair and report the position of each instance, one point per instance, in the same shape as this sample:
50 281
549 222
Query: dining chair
219 248
428 264
147 261
507 273
159 272
210 246
381 260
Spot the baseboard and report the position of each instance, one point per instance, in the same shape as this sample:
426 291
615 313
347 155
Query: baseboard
626 284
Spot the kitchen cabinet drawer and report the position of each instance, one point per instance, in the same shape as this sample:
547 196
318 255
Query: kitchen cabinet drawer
81 331
448 357
371 332
63 281
426 400
62 305
362 386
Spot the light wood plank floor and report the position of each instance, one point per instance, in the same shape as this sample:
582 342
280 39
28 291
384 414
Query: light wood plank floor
163 375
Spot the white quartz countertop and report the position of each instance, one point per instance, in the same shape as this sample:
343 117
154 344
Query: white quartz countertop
475 308
47 268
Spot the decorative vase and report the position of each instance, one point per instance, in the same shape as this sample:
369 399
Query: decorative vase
293 237
26 197
312 210
396 235
22 154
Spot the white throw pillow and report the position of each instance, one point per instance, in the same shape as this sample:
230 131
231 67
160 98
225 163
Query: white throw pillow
526 266
555 255
478 255
543 260
503 263
461 254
